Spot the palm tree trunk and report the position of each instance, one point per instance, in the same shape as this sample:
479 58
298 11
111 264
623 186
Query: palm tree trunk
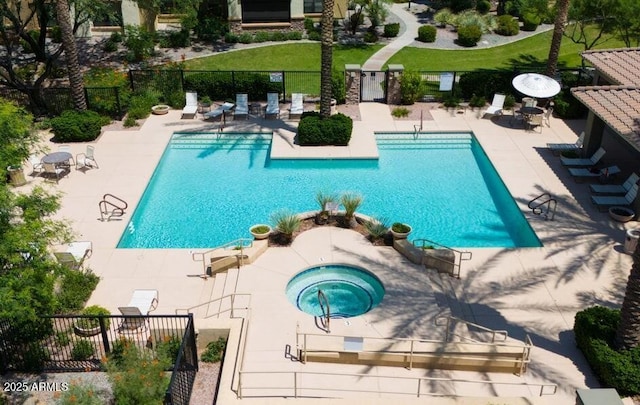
556 40
71 55
628 334
326 58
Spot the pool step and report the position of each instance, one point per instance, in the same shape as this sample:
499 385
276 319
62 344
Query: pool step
398 140
221 141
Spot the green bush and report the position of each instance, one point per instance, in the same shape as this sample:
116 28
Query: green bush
469 35
443 17
391 30
477 101
370 37
140 105
82 395
245 38
309 25
335 130
400 112
211 28
168 348
139 43
130 122
507 25
175 39
483 6
568 107
461 5
222 86
116 37
109 46
56 34
90 323
78 126
231 38
509 102
82 350
338 90
411 87
294 36
261 36
314 36
75 289
278 36
485 83
530 21
214 351
427 33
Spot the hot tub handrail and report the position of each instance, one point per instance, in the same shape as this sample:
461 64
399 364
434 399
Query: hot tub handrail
327 313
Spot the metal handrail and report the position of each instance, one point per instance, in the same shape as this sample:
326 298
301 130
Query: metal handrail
104 202
200 256
327 314
232 309
545 389
449 319
537 210
460 255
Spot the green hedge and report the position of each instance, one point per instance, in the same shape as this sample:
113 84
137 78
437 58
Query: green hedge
78 126
469 35
427 33
530 22
595 330
485 83
391 30
223 86
507 25
568 107
315 131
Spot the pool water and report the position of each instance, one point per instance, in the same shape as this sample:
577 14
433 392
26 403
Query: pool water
207 191
350 291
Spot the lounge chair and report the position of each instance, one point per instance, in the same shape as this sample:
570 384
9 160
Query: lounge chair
145 300
273 106
616 188
87 159
133 320
583 172
606 201
52 171
557 148
218 112
75 254
496 105
191 105
297 105
36 164
592 161
142 302
242 106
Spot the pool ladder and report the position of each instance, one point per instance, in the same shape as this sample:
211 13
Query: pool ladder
111 206
536 205
326 311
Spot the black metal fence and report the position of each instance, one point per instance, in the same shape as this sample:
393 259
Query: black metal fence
81 343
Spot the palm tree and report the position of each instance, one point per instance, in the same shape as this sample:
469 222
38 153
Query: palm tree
71 55
556 40
326 57
628 334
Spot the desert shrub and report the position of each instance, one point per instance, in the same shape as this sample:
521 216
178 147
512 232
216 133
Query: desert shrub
391 30
377 227
245 38
443 17
278 36
338 90
139 43
75 289
485 83
400 112
427 33
530 21
334 130
370 36
82 394
451 101
168 348
483 6
78 126
90 323
294 36
62 338
309 25
411 88
469 35
129 122
211 28
231 38
477 101
286 223
214 351
140 105
82 350
507 25
175 39
261 36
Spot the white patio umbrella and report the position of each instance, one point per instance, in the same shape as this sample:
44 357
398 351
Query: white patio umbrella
536 85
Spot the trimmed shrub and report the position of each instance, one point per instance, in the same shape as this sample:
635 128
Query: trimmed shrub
483 6
400 112
338 90
469 35
314 131
477 101
294 36
391 30
231 38
78 126
261 36
245 38
370 37
278 36
530 22
507 26
427 33
75 290
411 88
314 36
309 25
485 83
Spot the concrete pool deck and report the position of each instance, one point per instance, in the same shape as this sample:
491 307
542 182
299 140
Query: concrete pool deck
534 291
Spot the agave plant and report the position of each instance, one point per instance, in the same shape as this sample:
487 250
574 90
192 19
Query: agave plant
377 227
286 222
323 199
444 17
351 202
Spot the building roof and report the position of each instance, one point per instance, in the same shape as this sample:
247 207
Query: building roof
618 66
617 106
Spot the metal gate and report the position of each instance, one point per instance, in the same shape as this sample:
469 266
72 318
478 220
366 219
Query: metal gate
373 86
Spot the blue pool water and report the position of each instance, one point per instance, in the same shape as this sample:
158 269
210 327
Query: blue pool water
349 290
207 191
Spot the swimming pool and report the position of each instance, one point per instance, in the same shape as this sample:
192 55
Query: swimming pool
208 190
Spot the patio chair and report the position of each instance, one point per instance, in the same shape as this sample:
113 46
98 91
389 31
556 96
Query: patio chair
592 161
535 121
52 171
145 300
557 148
496 105
616 188
87 159
242 106
586 173
547 116
66 148
75 254
606 201
273 106
133 320
191 105
218 112
297 105
36 164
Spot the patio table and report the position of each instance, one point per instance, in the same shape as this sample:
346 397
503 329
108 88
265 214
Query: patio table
57 157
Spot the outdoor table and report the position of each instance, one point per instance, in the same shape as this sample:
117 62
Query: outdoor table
57 157
528 112
254 108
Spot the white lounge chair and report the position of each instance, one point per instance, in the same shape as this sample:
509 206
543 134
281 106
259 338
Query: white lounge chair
36 164
273 106
616 188
87 159
75 254
557 148
606 201
145 300
584 172
191 105
297 105
592 161
496 105
218 112
242 106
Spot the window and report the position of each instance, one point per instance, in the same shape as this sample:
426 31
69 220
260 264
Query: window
312 6
262 11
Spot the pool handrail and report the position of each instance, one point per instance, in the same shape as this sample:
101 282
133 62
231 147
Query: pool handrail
460 255
236 243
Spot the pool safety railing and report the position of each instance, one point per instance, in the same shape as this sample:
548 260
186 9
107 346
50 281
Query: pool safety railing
453 260
325 319
111 206
544 205
212 264
417 129
451 323
225 304
310 384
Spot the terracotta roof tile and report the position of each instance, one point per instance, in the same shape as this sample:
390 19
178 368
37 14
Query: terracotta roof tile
617 106
619 66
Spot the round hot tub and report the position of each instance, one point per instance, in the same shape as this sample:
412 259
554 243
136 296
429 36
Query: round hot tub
344 290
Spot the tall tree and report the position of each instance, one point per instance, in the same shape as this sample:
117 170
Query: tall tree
590 20
562 13
627 22
628 334
71 55
326 57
